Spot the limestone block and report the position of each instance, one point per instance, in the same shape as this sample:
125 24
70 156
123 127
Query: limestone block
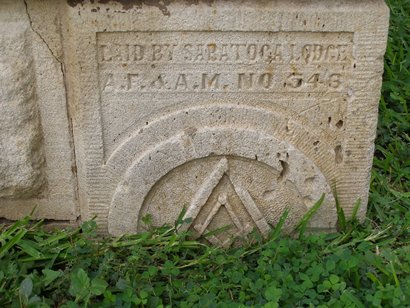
21 152
37 166
235 110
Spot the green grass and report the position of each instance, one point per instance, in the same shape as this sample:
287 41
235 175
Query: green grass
364 265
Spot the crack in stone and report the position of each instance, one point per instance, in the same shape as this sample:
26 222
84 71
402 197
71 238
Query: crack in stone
41 37
48 47
69 117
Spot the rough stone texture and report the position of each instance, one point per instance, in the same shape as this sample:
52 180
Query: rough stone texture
21 152
235 110
37 168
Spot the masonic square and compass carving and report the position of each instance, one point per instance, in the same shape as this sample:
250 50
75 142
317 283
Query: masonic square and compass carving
204 193
231 194
222 172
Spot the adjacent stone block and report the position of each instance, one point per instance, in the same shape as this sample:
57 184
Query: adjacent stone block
37 168
235 110
21 152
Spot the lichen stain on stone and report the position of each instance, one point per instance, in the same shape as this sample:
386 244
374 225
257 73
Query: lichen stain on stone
129 4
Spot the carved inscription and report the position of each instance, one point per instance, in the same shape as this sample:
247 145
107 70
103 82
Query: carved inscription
223 62
141 74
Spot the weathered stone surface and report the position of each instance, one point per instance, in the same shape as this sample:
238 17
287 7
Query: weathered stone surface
21 152
37 166
235 110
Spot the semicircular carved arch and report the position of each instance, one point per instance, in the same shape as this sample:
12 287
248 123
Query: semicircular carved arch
231 140
314 142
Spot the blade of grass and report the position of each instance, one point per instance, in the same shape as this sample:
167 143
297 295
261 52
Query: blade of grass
217 231
356 209
341 218
9 244
278 228
301 226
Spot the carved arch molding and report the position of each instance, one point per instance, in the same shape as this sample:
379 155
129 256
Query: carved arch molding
227 165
